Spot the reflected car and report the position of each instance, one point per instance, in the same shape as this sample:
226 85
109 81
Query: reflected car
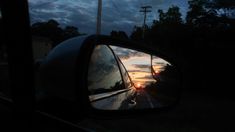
105 93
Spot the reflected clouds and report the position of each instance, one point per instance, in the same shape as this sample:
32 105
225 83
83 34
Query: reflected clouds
141 66
138 65
125 54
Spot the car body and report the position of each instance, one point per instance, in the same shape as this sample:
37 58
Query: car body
123 98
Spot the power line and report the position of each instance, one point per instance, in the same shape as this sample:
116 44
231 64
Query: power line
145 10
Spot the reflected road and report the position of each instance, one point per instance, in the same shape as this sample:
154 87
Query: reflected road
145 100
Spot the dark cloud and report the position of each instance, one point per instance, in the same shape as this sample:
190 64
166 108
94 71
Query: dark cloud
137 71
117 15
141 66
145 82
77 13
124 53
160 63
145 77
128 55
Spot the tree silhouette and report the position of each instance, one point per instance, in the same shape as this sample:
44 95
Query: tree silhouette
52 30
226 4
198 44
196 11
168 24
225 7
70 31
209 12
137 34
119 34
171 17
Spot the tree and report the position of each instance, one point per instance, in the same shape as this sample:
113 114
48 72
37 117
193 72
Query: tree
196 11
224 7
168 25
70 31
171 17
52 30
137 34
48 29
119 34
225 4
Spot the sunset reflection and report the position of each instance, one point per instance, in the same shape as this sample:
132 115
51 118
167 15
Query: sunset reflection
138 65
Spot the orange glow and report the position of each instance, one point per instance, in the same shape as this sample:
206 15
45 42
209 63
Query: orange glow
156 71
139 86
158 68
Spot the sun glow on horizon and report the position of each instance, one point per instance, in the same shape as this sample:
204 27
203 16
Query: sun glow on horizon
138 65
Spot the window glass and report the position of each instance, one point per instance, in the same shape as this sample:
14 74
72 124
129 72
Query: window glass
103 74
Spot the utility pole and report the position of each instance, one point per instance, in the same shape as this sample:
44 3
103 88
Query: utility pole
145 10
99 13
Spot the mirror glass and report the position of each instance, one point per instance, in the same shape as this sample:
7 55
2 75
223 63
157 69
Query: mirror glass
121 78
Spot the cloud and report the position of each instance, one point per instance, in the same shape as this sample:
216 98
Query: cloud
116 15
137 71
77 13
146 77
160 63
141 66
125 53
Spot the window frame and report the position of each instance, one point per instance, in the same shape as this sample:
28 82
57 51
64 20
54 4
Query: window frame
124 68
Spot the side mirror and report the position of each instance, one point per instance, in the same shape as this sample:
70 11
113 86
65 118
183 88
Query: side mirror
123 75
101 73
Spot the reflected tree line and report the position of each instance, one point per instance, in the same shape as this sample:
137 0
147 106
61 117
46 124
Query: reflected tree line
166 87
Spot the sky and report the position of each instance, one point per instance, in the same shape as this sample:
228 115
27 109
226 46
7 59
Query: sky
116 14
138 65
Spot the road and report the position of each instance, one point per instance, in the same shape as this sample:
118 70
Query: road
126 100
145 100
196 112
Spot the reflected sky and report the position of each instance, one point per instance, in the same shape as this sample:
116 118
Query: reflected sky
159 64
138 65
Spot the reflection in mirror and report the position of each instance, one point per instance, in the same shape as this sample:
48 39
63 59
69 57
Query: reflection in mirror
121 78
